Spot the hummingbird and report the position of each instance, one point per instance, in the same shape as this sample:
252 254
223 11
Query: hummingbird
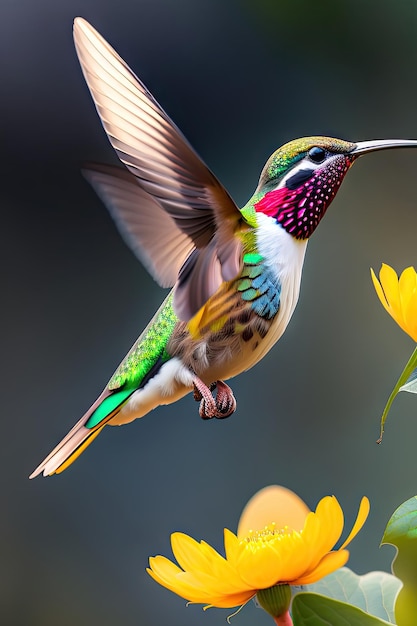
235 273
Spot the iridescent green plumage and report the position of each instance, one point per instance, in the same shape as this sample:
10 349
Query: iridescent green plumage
294 151
108 406
148 350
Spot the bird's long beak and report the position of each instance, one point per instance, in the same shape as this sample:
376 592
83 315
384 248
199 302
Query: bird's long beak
362 147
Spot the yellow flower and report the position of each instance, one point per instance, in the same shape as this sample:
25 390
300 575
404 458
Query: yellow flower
399 296
278 541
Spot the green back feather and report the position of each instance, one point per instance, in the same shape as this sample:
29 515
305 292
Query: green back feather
148 350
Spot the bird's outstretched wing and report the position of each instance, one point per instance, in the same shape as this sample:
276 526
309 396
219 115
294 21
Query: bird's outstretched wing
168 169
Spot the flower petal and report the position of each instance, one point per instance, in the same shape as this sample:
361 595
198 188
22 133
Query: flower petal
399 296
329 563
410 317
208 568
163 567
380 291
259 565
363 512
406 285
230 601
170 576
188 552
295 556
272 504
389 282
221 576
330 514
307 552
408 295
231 543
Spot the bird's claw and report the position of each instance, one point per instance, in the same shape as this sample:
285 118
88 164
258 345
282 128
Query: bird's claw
198 391
223 405
225 400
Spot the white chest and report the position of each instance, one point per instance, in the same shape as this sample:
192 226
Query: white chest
285 257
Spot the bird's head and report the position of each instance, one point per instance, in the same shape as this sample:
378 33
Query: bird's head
301 178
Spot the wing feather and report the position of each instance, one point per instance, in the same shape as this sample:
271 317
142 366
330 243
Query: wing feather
147 229
166 167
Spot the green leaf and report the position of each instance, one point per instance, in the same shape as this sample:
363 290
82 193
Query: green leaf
312 609
401 532
374 593
411 384
401 385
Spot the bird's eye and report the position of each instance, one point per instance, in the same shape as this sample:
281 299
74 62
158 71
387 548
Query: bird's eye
317 155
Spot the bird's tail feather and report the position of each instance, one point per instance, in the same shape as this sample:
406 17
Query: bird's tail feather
76 441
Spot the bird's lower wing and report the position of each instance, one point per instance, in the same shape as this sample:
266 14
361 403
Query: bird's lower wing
148 230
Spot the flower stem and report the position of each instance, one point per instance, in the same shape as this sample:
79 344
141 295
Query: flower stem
284 620
411 364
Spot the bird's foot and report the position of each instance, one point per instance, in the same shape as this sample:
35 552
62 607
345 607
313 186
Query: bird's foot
223 405
225 400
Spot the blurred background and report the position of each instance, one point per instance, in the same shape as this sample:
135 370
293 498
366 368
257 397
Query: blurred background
239 78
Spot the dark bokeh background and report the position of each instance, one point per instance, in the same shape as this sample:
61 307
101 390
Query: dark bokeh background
239 78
